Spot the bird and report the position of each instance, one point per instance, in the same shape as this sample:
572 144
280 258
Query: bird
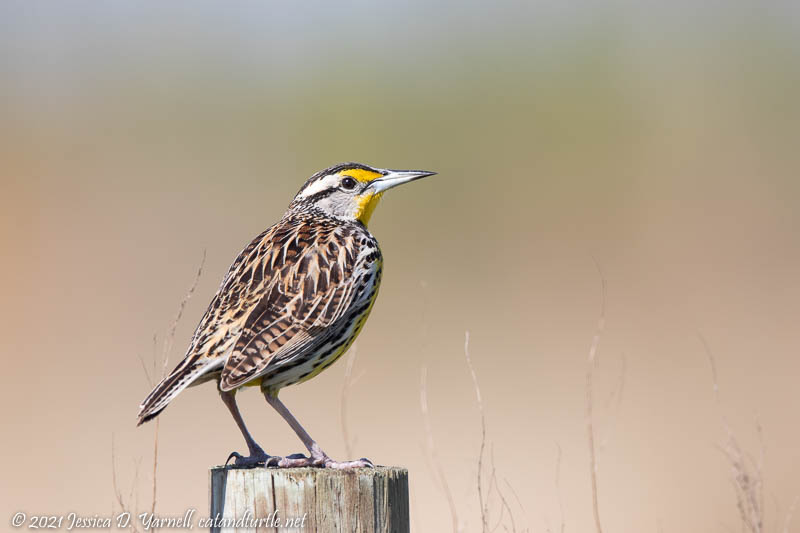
290 305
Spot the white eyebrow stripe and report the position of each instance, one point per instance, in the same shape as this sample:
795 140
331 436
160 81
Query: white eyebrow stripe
320 185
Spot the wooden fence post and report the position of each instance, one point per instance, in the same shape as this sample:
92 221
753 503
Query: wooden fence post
368 500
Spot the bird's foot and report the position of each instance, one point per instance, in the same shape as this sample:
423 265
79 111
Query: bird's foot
257 457
298 460
344 465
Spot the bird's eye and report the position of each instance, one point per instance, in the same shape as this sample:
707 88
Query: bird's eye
348 184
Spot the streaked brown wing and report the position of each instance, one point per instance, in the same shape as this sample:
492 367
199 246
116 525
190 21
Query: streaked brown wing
307 284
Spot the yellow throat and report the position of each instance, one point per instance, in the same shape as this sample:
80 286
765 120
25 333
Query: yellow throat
366 205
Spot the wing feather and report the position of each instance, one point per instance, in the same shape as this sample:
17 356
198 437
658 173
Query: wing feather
307 285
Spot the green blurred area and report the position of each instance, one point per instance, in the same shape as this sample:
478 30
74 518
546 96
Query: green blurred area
576 101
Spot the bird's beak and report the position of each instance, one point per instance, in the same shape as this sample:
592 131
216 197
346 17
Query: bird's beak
393 178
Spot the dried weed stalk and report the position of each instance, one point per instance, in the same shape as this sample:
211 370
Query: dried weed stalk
163 359
590 401
432 455
349 383
746 471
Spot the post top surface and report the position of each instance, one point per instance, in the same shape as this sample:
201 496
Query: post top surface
396 470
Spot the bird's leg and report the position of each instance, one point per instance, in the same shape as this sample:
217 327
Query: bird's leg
257 455
317 456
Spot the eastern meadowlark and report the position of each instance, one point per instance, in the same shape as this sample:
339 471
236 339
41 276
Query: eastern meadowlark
291 304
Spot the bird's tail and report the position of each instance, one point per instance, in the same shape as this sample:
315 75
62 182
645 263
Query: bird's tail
187 372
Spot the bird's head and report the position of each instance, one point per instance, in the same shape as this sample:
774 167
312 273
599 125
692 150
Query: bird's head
351 191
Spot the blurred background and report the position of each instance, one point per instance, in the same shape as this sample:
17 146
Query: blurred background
659 141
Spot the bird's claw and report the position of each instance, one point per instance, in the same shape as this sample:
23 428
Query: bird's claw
251 461
232 455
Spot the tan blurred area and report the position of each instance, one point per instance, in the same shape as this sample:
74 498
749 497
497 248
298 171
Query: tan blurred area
658 143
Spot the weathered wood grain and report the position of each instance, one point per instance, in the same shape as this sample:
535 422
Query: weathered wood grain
364 500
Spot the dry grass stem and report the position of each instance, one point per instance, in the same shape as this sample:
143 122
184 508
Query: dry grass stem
146 372
519 503
164 363
155 468
170 338
493 486
788 520
481 500
558 488
615 398
590 401
747 478
503 502
349 382
432 454
486 490
117 492
114 483
168 343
